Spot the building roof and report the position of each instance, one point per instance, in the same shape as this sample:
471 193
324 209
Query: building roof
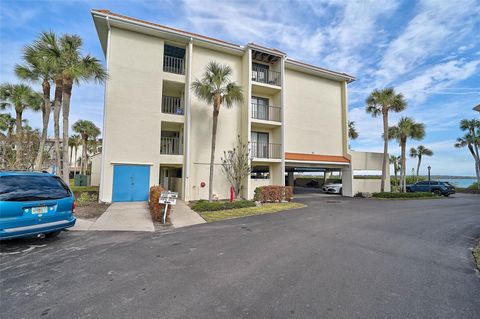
477 108
194 36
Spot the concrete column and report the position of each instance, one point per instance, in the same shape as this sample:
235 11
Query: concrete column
291 179
347 182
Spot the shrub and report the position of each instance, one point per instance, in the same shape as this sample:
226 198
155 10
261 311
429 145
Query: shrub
404 195
85 198
273 193
206 206
156 209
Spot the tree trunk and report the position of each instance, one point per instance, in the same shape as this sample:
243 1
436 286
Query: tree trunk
84 155
57 104
18 139
46 119
75 160
67 93
385 151
418 164
403 169
216 111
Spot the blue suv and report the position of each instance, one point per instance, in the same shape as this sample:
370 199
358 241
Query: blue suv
34 203
436 187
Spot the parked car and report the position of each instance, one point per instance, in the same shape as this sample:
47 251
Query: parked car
332 188
437 187
34 203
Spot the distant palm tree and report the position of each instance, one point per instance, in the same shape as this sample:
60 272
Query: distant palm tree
352 131
395 161
216 88
20 97
73 143
419 152
405 129
7 125
471 140
87 130
381 102
38 67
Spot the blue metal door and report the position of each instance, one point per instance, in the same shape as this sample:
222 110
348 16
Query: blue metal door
130 183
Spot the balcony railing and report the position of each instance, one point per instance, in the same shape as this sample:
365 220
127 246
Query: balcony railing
265 150
173 65
263 75
265 112
172 105
170 146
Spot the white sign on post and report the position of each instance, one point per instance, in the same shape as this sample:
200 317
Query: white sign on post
167 198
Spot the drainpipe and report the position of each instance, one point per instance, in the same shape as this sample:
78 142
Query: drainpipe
188 101
104 139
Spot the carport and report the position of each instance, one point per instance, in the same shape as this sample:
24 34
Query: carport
313 163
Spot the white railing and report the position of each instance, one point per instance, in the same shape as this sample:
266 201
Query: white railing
172 105
173 65
170 146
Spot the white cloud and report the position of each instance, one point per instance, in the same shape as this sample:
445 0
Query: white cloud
438 25
437 78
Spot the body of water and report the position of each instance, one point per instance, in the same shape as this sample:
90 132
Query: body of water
460 182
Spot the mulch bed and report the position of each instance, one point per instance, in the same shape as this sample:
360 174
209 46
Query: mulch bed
91 210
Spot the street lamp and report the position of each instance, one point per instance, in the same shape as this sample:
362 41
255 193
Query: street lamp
429 168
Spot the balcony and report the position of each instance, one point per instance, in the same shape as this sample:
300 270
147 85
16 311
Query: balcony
170 146
266 76
173 64
266 150
266 113
172 105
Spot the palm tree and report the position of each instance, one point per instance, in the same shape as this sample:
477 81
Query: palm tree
87 130
38 67
419 152
352 131
75 68
73 143
395 161
20 97
381 102
405 129
471 140
216 88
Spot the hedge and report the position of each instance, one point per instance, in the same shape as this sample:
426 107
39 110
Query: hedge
206 206
404 195
156 209
273 193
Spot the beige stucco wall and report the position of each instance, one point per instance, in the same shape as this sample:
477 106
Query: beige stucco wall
313 114
96 161
368 161
229 127
133 101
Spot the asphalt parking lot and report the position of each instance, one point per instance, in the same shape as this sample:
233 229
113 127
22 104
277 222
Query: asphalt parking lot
336 258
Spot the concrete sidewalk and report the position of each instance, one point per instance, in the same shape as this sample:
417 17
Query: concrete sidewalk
183 216
125 217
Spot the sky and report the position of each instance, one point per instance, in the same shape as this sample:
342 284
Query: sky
427 50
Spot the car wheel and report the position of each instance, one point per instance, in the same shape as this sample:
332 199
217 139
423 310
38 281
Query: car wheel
53 234
437 192
340 191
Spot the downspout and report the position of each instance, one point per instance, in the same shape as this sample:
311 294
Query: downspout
105 103
187 128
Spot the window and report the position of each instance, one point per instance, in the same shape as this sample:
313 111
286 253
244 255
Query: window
260 108
259 72
260 172
29 188
259 144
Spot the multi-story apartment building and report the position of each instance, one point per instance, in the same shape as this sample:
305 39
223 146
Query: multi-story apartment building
294 115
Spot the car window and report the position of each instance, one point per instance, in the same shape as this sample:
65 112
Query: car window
422 183
433 183
30 188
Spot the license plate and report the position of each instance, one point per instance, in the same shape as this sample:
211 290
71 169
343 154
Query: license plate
40 210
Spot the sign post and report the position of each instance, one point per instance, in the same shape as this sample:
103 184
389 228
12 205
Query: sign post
167 198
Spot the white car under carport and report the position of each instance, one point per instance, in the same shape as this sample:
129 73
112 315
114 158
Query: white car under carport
332 188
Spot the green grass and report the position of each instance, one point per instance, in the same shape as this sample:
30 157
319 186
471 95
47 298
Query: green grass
249 211
79 189
476 255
